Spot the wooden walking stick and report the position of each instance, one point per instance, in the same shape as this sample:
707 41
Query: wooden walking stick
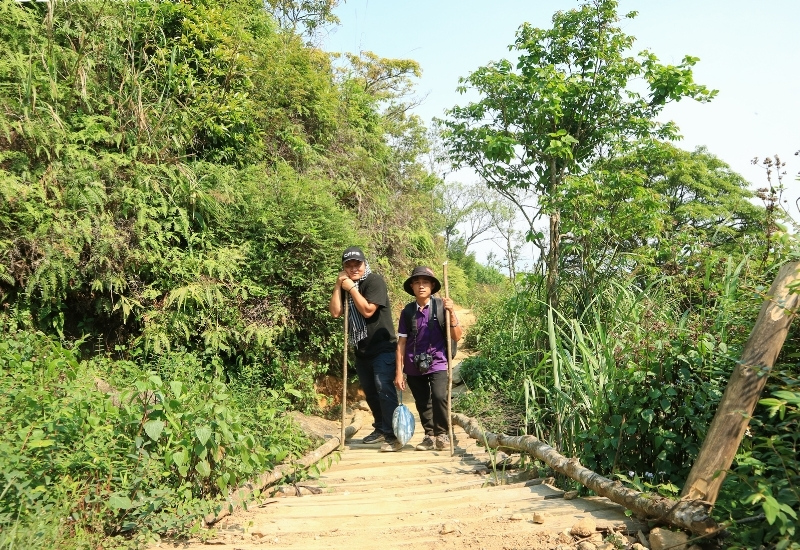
449 361
346 307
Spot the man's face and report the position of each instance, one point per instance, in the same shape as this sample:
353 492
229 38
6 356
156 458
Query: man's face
354 269
422 287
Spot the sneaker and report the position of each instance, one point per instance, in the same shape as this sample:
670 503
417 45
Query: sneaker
426 444
442 442
391 446
374 437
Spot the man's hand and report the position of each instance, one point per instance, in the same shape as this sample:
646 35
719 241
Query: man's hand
448 306
341 281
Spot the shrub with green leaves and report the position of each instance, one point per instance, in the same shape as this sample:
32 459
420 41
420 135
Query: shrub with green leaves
185 177
765 477
152 457
629 386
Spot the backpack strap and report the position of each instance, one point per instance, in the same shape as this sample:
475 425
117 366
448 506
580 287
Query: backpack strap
409 312
438 313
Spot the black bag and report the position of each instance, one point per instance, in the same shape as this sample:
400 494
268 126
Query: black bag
437 314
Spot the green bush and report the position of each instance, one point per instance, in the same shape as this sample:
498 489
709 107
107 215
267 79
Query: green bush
630 385
765 477
150 457
189 196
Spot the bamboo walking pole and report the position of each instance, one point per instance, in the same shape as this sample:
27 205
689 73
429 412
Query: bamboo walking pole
449 362
346 307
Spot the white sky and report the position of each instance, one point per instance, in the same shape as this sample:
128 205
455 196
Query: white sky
748 50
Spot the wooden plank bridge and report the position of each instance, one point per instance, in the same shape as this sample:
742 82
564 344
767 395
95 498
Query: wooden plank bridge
415 499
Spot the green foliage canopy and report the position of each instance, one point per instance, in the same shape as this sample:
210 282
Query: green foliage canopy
656 210
185 176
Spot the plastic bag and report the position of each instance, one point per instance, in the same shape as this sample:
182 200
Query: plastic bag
403 424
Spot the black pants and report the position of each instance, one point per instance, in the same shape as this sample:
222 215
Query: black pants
430 396
376 376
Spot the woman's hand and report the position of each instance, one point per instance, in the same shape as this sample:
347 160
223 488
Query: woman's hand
400 383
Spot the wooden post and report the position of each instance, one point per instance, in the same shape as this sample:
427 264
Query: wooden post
449 363
346 306
744 387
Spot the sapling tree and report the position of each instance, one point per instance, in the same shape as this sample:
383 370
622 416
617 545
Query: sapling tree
575 94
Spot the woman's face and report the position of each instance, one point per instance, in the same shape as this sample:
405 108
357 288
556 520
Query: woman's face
354 269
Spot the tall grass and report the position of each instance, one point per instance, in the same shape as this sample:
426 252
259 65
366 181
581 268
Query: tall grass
576 377
627 386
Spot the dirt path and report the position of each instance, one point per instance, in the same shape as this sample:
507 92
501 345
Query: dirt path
414 499
466 318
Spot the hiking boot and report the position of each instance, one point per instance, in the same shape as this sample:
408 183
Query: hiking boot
374 437
391 446
442 442
426 444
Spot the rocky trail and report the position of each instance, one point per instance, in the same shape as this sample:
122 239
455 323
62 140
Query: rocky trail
419 499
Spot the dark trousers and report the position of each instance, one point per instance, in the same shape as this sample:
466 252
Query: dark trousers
430 396
376 376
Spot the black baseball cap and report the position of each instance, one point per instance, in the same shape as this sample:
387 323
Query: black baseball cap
353 253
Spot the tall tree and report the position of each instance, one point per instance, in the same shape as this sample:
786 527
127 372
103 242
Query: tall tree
569 100
386 143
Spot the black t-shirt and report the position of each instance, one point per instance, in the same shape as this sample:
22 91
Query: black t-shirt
380 328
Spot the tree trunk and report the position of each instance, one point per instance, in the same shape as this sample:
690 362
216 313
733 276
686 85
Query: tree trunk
745 386
511 257
552 260
555 240
691 515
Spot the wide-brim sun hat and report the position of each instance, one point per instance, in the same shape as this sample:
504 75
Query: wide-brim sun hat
422 271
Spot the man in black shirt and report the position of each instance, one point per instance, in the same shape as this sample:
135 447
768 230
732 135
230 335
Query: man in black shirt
372 336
